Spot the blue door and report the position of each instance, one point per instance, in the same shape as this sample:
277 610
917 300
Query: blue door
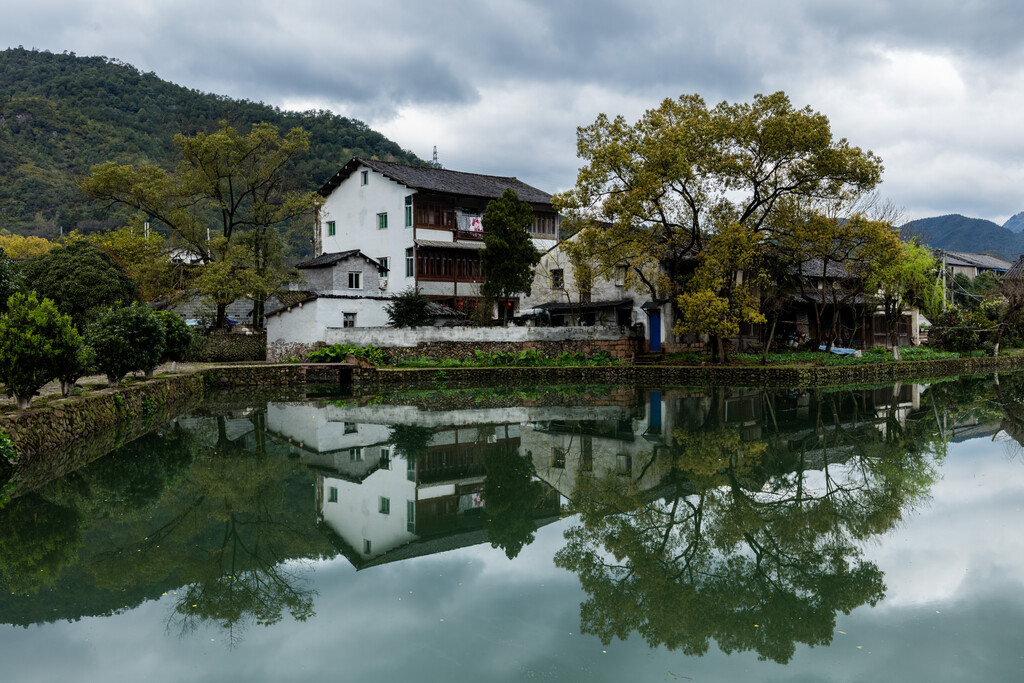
655 426
655 327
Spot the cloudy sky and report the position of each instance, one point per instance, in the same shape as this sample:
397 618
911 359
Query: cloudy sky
934 87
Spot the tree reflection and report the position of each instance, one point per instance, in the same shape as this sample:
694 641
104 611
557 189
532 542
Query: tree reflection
511 494
754 543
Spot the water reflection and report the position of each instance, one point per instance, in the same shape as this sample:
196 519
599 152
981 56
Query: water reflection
738 517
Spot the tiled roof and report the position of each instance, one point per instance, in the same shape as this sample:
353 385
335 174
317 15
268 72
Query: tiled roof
330 258
430 179
963 258
1016 271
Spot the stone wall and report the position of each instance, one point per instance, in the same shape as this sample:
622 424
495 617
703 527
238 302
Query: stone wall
463 342
227 347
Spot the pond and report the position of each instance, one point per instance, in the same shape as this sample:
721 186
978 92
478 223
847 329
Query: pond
560 533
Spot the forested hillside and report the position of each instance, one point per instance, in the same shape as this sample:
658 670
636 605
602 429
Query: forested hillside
959 233
60 114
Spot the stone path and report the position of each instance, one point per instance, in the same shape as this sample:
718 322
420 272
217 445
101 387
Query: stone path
51 392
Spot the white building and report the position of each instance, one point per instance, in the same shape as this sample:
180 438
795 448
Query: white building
385 227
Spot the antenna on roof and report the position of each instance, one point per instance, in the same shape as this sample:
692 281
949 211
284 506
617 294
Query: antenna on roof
434 162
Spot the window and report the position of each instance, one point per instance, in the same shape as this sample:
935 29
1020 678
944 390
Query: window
348 319
351 427
410 516
355 454
385 265
385 458
385 505
624 464
366 547
620 275
557 278
410 262
332 495
355 279
558 458
364 177
408 211
382 221
331 229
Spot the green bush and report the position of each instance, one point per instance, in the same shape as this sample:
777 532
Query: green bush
177 336
126 339
409 309
37 345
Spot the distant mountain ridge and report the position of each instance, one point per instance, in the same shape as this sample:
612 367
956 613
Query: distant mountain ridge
959 233
60 114
1015 223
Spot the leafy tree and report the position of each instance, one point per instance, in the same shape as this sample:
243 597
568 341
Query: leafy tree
661 186
21 247
145 257
509 256
126 339
73 366
37 344
900 274
10 282
177 336
408 309
833 254
234 184
717 300
80 278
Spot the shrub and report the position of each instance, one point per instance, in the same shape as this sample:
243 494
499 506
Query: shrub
177 336
126 339
80 278
37 344
409 309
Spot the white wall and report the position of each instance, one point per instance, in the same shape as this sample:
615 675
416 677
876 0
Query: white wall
354 208
307 323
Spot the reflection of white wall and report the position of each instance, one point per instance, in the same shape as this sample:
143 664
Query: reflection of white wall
356 514
320 429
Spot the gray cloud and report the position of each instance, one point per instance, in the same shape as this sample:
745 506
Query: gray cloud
933 86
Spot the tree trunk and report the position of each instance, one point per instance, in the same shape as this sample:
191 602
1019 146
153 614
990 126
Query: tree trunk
113 381
999 338
258 306
894 340
149 373
222 315
768 341
65 387
23 401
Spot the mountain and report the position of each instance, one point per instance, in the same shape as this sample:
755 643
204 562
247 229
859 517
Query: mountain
959 233
1015 223
60 114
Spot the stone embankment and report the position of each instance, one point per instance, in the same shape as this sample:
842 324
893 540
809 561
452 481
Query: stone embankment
57 422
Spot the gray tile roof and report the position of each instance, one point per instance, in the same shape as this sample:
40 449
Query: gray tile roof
441 180
332 257
988 261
